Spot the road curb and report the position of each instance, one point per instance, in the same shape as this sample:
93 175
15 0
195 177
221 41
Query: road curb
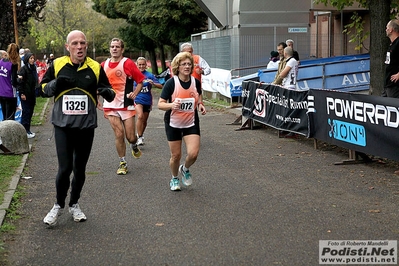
8 195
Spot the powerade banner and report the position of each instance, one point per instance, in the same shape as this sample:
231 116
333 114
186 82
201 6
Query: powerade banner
276 106
363 123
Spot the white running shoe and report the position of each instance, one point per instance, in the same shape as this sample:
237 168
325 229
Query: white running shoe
185 177
30 135
140 141
77 214
52 216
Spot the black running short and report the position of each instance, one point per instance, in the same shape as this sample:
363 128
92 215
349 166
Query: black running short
173 134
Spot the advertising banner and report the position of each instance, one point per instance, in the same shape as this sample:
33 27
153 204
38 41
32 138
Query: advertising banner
217 81
276 106
363 123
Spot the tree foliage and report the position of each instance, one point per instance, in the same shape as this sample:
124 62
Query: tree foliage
155 23
166 21
356 30
63 16
25 9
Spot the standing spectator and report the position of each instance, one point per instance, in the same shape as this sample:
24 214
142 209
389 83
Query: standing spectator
28 81
165 75
50 60
21 55
3 54
280 50
201 67
143 100
274 60
13 55
289 73
74 81
286 77
41 69
391 84
281 63
122 72
181 98
290 43
8 82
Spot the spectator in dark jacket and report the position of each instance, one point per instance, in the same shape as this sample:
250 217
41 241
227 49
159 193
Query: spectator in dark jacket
27 79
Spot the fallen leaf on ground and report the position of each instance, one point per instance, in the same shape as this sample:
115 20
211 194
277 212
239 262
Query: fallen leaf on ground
374 211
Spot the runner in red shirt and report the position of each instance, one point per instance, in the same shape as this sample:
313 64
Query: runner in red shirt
121 73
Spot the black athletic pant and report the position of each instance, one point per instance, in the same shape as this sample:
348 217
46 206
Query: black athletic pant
28 106
73 147
392 92
8 107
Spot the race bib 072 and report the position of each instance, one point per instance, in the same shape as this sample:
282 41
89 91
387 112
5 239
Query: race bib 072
187 104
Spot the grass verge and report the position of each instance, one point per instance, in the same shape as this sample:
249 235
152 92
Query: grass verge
9 163
37 118
9 223
12 211
8 167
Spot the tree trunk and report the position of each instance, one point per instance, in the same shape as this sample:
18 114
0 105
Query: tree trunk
162 57
153 60
175 50
379 42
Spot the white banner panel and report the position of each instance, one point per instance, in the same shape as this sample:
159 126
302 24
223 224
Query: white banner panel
217 81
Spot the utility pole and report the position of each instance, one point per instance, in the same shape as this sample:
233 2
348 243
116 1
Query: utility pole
94 49
14 11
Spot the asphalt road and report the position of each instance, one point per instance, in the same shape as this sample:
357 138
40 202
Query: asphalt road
256 199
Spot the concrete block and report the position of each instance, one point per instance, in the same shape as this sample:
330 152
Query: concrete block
13 137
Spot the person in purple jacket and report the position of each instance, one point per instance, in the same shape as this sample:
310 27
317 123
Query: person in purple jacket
8 82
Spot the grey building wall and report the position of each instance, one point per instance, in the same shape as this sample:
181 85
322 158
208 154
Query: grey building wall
216 51
252 29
